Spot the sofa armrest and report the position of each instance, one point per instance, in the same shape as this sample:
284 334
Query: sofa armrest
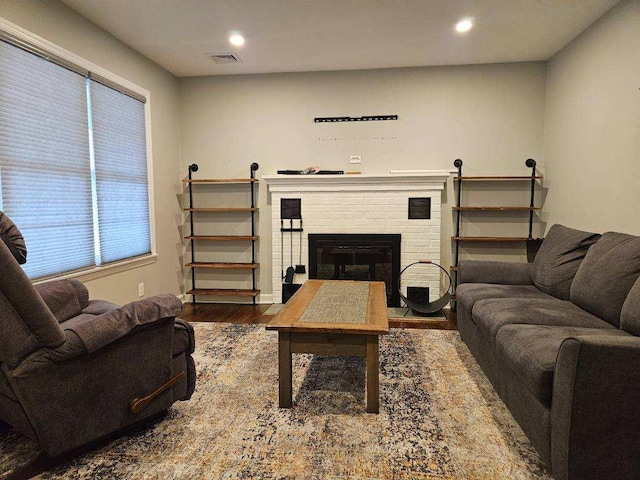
96 333
595 412
485 271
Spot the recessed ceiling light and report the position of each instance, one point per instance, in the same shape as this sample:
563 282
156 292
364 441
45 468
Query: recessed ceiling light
464 25
236 39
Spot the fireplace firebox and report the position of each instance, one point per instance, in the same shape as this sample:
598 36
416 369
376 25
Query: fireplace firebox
354 256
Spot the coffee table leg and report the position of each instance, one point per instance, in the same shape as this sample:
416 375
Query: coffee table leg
284 369
373 382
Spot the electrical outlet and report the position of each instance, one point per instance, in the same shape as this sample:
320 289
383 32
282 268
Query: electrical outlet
355 159
141 290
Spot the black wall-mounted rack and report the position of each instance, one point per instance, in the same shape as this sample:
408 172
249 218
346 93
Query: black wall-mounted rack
367 118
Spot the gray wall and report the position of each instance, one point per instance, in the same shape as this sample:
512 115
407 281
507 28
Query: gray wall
491 116
592 126
587 106
59 24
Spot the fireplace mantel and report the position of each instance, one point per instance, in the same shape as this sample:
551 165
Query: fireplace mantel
397 180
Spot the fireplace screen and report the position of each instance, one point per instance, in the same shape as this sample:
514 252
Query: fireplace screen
369 257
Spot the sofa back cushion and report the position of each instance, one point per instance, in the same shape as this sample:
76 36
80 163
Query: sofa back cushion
630 314
606 276
559 258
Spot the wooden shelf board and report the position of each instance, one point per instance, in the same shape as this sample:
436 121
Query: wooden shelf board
222 238
496 209
489 239
222 209
221 180
223 265
496 178
222 292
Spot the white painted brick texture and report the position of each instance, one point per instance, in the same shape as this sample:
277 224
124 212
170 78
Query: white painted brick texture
362 211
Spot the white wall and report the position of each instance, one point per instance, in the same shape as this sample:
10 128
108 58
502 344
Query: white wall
491 116
592 126
59 24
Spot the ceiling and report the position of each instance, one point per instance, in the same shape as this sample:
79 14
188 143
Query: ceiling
317 35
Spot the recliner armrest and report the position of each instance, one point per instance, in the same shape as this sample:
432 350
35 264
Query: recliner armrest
486 271
595 411
89 336
117 323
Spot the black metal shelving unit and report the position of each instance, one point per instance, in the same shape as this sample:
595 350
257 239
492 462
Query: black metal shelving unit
460 209
193 237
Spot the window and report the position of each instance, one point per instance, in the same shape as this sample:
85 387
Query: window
73 163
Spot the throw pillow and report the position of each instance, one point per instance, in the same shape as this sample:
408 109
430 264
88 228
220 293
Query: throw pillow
606 276
559 258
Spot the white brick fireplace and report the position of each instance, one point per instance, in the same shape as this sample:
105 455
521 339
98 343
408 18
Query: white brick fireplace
360 204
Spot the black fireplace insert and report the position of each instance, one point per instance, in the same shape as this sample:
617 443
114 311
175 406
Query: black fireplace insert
356 256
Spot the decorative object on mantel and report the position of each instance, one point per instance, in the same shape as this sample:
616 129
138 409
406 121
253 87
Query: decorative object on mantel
310 171
367 118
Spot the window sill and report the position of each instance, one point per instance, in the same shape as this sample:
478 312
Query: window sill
99 272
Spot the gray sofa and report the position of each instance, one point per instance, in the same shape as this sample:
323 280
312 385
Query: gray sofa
74 370
560 341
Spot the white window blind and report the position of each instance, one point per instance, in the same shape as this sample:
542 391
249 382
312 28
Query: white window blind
73 162
119 141
44 150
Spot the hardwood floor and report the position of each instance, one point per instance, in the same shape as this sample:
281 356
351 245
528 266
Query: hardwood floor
236 313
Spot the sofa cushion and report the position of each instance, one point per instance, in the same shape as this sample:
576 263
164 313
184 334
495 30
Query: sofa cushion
12 238
467 294
530 351
558 259
630 314
492 314
606 275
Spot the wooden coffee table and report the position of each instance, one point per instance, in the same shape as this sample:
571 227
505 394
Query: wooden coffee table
332 317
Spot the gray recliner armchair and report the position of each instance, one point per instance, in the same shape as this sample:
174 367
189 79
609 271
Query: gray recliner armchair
73 370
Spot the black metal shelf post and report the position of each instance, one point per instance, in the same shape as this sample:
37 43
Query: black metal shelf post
252 173
531 163
192 168
458 164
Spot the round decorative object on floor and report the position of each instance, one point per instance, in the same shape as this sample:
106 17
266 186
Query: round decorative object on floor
424 307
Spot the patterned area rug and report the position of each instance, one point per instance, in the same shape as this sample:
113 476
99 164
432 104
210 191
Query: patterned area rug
439 418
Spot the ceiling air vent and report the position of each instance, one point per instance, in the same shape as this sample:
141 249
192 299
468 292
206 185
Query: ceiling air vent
224 58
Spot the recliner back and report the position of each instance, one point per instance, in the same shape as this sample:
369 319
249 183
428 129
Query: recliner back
26 322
